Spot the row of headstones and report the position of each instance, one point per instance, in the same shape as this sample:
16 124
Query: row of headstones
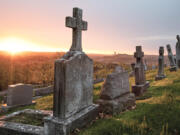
73 105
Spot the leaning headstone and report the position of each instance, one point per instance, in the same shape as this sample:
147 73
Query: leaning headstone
178 52
115 95
141 84
19 95
171 59
160 74
73 85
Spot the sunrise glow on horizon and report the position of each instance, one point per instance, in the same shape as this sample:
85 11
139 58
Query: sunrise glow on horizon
114 26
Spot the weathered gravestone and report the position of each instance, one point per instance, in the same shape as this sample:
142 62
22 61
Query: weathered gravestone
73 85
178 52
141 84
171 58
160 74
133 68
153 67
115 95
19 94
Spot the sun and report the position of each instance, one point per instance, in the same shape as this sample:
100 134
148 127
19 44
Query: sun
14 45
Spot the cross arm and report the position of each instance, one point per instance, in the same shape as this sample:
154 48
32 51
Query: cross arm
70 22
84 25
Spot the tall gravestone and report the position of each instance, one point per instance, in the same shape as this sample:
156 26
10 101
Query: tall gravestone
171 58
145 65
178 52
115 95
73 85
141 84
160 74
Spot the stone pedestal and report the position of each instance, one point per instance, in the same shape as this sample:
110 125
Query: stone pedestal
56 126
138 90
115 95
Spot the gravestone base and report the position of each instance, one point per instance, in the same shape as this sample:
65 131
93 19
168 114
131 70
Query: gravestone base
172 69
160 77
138 90
56 126
118 104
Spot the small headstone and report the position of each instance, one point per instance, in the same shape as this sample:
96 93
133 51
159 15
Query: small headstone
160 74
171 59
132 68
19 94
115 94
145 65
178 52
73 85
141 84
153 67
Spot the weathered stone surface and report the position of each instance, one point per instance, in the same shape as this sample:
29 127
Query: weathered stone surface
117 105
11 128
178 52
116 84
77 24
160 74
171 58
19 94
141 84
56 126
115 95
43 91
73 84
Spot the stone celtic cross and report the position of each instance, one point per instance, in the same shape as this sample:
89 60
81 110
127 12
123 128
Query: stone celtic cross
138 54
77 24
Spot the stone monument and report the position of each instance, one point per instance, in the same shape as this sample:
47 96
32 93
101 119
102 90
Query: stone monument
18 95
133 68
115 95
160 74
178 52
141 84
145 65
73 85
171 59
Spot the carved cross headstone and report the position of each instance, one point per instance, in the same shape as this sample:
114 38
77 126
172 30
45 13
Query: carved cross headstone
139 68
141 84
77 24
178 52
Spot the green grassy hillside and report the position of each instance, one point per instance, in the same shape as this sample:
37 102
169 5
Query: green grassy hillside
157 111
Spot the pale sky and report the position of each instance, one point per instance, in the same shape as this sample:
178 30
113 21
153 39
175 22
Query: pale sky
113 25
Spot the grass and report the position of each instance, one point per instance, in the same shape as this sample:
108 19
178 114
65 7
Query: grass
25 118
157 111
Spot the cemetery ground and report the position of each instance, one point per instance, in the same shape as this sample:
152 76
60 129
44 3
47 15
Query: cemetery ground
157 112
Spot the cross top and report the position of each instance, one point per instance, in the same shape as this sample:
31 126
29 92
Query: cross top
138 53
77 24
161 50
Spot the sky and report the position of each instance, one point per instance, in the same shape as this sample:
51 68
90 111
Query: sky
113 25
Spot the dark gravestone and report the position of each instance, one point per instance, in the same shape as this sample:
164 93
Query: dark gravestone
73 85
160 74
171 58
141 84
178 52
